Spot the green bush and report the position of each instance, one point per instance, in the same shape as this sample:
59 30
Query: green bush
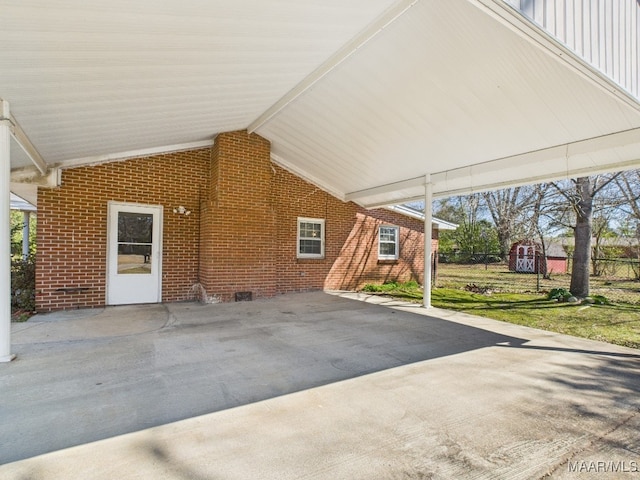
560 294
23 284
600 300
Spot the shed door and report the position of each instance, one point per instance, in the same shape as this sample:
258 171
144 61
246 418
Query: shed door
134 247
525 259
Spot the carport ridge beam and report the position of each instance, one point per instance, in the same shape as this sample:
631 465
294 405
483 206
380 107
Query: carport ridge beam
5 233
396 10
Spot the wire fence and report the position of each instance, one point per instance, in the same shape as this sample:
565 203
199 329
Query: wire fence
615 268
613 277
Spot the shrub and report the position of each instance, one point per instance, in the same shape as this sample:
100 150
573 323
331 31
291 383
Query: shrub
600 300
23 284
560 294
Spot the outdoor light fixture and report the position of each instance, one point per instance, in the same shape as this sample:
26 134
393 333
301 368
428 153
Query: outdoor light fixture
181 210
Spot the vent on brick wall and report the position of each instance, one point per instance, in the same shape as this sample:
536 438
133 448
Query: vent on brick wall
244 296
73 289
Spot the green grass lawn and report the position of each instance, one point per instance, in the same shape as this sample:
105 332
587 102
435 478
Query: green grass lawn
617 323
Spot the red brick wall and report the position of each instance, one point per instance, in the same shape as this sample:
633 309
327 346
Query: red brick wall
72 226
240 237
351 242
238 223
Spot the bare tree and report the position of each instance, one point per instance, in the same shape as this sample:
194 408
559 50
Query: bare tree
467 212
508 209
601 230
541 220
629 185
580 196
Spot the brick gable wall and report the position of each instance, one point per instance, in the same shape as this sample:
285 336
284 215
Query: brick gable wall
241 235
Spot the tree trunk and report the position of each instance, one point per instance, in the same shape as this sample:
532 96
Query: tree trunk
582 252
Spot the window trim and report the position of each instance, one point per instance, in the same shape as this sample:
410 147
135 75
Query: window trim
321 222
396 242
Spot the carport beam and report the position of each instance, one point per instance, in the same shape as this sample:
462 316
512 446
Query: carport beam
5 233
428 233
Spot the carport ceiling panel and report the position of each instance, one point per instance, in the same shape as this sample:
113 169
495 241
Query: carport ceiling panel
92 78
443 87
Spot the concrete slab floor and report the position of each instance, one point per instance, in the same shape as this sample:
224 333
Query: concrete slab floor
314 385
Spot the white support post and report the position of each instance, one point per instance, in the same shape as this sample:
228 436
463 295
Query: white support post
5 234
428 233
26 217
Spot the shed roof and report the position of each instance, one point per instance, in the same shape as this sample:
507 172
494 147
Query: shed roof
555 250
368 99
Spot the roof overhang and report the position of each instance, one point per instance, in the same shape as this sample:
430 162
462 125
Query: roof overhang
368 99
17 203
419 215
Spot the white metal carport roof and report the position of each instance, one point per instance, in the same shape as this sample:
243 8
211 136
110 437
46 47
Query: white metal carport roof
364 98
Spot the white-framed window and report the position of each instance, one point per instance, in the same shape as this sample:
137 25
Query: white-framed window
388 242
310 237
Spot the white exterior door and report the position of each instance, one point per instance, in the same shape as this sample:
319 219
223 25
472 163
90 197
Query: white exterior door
525 259
134 254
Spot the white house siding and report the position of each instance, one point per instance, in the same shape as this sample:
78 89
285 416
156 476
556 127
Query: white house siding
606 33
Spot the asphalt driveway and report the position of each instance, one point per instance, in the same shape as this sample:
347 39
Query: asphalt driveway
312 385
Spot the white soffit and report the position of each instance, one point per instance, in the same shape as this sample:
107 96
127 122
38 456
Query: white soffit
87 79
450 90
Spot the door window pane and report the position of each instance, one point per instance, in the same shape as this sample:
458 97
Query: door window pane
135 227
134 242
134 258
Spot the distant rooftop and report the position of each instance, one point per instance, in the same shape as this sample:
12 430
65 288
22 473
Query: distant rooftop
18 203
